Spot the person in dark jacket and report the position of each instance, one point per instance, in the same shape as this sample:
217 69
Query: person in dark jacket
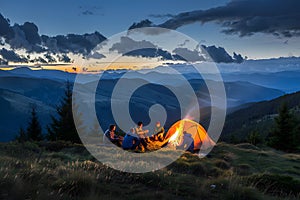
187 142
112 136
130 142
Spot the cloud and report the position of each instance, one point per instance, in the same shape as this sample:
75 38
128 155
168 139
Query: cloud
9 55
5 29
127 44
243 17
161 16
130 47
3 62
188 55
50 58
89 10
78 44
218 54
150 53
64 58
39 60
27 37
206 53
95 55
142 27
238 58
31 33
142 24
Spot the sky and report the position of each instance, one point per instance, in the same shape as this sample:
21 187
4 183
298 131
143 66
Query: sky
110 17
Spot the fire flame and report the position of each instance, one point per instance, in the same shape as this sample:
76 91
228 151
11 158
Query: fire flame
174 138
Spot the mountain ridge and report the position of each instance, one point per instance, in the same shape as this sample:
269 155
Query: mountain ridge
257 117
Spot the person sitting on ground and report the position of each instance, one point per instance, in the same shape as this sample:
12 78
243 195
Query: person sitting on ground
187 142
159 131
139 130
130 142
142 134
112 136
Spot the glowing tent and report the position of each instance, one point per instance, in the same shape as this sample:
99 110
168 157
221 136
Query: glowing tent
200 136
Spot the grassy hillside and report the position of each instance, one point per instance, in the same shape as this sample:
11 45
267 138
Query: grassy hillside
258 116
65 171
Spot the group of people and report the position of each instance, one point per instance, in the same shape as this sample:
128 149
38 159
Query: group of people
137 138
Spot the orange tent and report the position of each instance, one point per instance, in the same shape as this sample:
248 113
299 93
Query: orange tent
199 134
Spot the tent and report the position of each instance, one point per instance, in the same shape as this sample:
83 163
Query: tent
199 134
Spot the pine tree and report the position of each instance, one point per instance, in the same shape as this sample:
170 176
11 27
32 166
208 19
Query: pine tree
254 138
63 127
22 136
34 130
296 137
281 137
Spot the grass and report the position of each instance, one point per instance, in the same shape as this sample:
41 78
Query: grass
65 171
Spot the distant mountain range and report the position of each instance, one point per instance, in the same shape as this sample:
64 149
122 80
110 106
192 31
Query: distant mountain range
22 87
15 108
267 80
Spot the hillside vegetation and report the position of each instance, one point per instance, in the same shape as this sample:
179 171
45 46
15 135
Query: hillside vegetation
258 116
59 170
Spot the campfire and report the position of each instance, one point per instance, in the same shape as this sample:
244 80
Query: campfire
174 139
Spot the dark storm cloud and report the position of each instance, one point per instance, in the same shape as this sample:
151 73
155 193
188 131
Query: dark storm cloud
5 29
127 44
9 55
243 17
74 43
31 33
130 47
50 58
64 58
150 53
27 37
38 60
207 53
238 58
161 16
142 24
188 55
218 54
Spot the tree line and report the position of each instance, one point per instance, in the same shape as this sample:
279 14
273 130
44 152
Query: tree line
284 134
62 126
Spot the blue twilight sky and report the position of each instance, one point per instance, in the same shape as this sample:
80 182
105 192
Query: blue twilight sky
111 16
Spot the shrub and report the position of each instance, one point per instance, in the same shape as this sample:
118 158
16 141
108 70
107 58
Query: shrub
275 184
243 169
222 164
